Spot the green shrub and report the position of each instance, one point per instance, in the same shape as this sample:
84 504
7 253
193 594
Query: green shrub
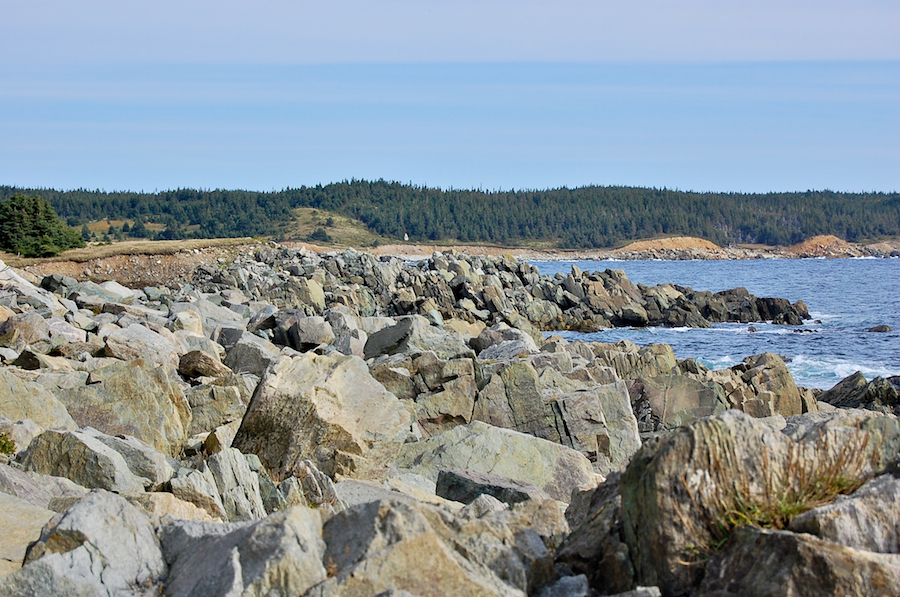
29 226
7 446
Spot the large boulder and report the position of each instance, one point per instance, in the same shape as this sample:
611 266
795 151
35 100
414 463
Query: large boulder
869 519
133 398
773 385
631 362
382 546
142 459
11 279
212 315
769 563
24 329
680 494
670 401
140 342
102 545
36 489
82 458
20 525
238 486
251 354
414 334
21 400
596 420
281 555
855 392
327 409
554 468
215 405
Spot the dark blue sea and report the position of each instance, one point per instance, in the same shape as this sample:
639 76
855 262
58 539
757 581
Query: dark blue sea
845 297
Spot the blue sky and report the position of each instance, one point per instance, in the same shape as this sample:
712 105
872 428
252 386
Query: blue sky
696 95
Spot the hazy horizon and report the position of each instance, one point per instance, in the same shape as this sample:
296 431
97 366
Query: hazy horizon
702 95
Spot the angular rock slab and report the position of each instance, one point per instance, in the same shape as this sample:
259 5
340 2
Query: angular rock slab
21 400
676 491
554 468
133 398
20 525
238 486
281 555
198 487
139 342
82 458
327 409
465 486
36 489
869 519
766 563
414 334
388 545
102 545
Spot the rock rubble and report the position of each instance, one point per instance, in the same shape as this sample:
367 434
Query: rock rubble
338 424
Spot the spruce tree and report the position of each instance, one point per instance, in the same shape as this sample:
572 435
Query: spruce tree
29 226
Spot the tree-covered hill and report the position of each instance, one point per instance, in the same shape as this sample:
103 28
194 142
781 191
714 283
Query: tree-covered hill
590 216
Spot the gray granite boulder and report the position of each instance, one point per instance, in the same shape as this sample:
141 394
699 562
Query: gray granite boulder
554 468
101 546
281 555
82 458
327 409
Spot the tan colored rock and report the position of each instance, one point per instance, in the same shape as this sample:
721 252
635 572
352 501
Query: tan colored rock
187 320
768 373
20 525
384 545
133 398
21 400
328 409
198 487
162 504
675 400
198 363
139 342
221 437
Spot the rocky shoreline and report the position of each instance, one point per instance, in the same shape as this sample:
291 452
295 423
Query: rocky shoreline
321 424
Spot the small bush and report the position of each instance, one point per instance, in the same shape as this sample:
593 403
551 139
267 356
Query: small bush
7 446
320 235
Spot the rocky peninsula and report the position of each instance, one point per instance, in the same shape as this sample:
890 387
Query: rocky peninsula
286 422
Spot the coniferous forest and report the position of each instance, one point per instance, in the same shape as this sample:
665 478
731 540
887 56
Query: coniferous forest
584 217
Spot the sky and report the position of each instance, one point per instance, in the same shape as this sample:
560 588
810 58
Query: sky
695 94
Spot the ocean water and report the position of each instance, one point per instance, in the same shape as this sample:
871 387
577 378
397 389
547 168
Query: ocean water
845 297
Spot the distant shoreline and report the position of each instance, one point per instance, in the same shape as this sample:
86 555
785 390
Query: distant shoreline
671 249
152 263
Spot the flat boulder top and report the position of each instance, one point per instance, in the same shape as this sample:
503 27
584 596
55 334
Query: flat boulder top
677 242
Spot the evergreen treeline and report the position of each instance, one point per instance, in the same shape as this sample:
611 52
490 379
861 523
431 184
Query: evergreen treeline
581 217
28 225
